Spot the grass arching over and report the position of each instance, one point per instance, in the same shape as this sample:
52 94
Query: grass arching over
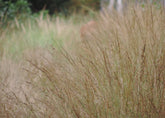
117 71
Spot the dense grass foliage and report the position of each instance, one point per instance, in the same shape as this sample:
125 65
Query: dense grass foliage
118 70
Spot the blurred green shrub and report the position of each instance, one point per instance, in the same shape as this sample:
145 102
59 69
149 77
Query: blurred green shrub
10 9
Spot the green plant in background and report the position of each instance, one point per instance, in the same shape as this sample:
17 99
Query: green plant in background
9 10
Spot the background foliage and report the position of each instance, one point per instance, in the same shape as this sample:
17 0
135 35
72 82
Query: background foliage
9 9
12 7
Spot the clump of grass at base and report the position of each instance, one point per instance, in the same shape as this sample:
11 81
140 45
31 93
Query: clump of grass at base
117 72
